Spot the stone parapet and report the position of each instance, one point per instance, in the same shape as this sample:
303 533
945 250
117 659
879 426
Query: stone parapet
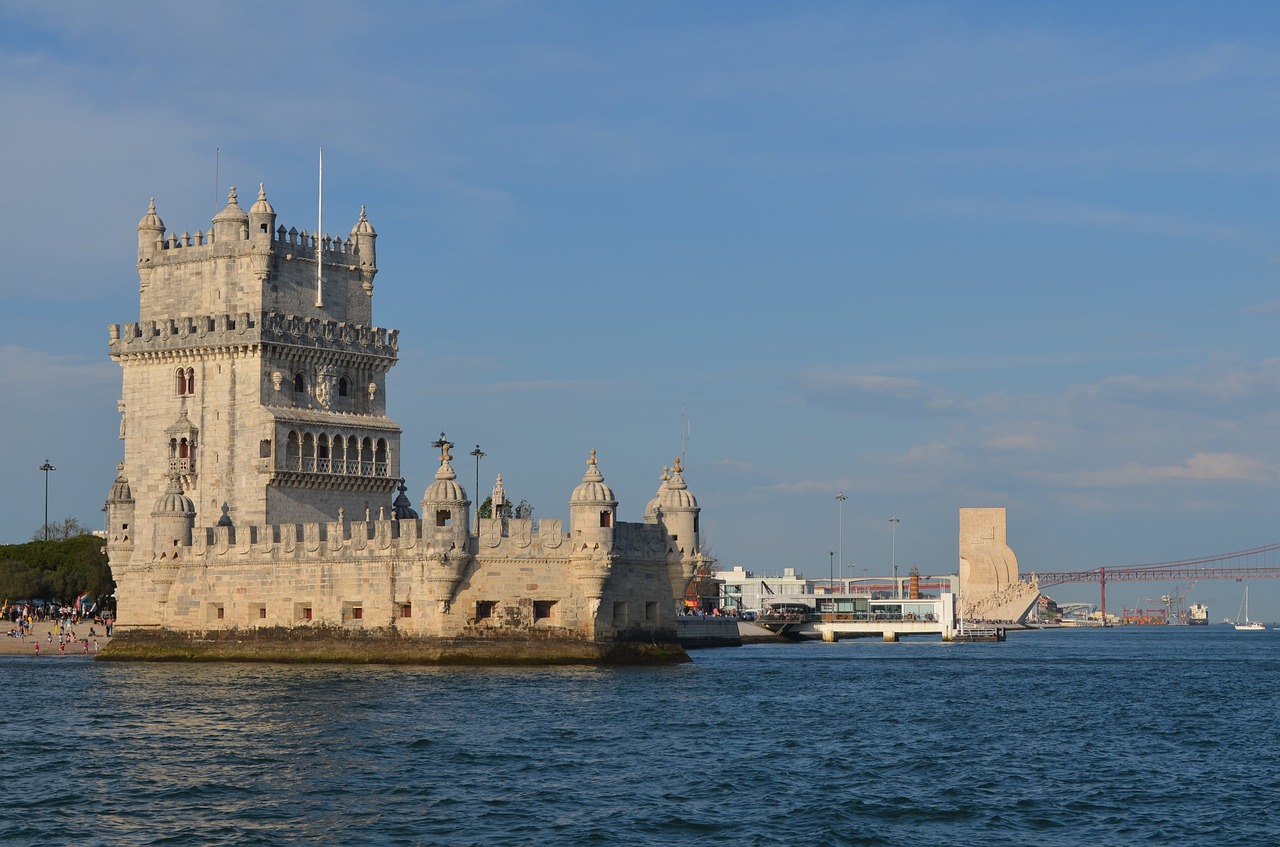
203 331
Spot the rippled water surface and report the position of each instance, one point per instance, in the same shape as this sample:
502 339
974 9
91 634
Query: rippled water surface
1127 736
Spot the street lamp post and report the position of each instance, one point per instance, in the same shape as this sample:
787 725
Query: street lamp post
46 467
840 498
893 557
479 454
831 584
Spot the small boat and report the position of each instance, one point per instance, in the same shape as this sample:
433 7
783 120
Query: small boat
1243 624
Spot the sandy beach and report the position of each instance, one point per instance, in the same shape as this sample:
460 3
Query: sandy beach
42 631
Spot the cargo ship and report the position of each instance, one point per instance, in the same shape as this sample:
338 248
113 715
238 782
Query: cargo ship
1198 614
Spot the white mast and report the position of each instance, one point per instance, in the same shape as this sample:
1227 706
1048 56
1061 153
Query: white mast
319 230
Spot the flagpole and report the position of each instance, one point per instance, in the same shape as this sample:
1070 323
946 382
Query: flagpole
319 231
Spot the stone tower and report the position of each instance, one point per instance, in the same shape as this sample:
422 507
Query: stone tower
253 384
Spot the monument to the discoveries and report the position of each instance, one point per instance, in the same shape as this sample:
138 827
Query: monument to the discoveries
253 517
990 585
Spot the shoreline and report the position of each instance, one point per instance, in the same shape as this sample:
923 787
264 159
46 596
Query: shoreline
41 631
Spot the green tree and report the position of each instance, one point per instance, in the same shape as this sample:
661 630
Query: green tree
61 570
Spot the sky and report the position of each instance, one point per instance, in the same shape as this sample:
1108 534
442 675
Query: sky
931 255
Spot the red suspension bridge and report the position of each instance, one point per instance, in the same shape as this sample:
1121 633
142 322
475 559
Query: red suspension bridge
1258 563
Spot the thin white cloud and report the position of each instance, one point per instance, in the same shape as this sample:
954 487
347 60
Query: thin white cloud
875 395
1202 467
1058 213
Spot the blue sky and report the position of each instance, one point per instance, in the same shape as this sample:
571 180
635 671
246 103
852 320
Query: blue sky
932 255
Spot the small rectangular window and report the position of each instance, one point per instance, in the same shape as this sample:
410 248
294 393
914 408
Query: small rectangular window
306 613
542 610
221 613
620 613
262 613
484 609
651 612
406 611
357 613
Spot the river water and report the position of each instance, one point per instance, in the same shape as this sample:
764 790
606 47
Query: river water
1119 736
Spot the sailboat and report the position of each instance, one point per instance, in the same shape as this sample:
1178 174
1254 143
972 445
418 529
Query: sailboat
1243 623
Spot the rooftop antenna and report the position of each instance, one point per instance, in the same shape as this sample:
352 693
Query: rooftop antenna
320 229
685 432
217 177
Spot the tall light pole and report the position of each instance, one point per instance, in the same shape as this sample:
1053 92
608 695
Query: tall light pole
840 498
831 583
479 454
46 467
893 556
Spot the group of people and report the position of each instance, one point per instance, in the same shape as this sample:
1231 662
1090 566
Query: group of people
65 620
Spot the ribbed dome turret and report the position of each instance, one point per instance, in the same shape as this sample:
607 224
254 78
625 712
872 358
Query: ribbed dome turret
654 507
232 213
121 493
363 227
173 501
676 494
593 488
151 220
261 207
445 488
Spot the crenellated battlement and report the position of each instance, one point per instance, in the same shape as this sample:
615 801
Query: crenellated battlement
347 540
290 243
245 328
344 540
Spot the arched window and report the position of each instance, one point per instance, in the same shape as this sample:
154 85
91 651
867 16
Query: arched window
182 382
322 453
339 454
606 519
353 455
191 381
380 458
293 452
308 452
344 387
299 383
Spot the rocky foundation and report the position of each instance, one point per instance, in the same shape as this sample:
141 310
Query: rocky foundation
315 645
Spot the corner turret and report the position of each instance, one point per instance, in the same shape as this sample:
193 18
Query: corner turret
150 241
446 511
592 509
174 518
119 509
362 239
231 224
678 512
262 218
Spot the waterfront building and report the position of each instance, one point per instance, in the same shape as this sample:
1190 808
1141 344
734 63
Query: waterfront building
261 483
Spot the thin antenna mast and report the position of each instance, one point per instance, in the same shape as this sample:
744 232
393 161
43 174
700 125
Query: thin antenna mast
684 433
217 177
320 229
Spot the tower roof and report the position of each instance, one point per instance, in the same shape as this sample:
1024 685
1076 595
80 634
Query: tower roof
151 220
593 488
232 212
120 491
363 227
173 501
261 207
676 494
401 506
446 487
652 509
